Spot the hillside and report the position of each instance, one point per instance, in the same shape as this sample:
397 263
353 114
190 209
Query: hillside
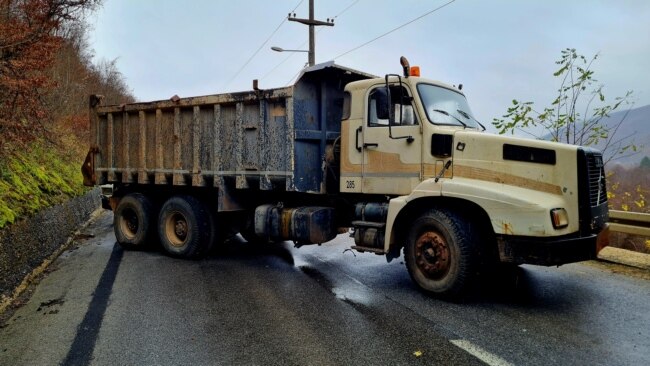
636 124
44 85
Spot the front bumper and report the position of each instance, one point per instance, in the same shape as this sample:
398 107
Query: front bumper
550 251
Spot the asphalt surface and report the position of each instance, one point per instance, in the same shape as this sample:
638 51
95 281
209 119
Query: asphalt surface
278 305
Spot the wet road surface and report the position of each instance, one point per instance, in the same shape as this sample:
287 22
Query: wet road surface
278 305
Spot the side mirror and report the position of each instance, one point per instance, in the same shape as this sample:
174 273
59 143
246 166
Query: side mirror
383 103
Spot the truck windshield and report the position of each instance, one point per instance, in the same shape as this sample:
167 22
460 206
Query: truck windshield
446 107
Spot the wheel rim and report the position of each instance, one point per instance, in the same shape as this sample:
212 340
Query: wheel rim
176 229
129 223
432 255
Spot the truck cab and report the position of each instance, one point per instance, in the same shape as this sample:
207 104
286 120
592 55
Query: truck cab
401 135
416 141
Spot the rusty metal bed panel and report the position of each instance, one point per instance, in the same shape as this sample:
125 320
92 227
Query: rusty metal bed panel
271 139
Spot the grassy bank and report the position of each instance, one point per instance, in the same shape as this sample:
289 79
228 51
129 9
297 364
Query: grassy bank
37 177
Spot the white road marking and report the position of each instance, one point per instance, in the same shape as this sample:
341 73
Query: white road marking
480 353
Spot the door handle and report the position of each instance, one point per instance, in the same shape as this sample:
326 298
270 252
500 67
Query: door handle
371 144
356 144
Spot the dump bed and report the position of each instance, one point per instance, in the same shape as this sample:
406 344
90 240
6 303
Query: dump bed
272 139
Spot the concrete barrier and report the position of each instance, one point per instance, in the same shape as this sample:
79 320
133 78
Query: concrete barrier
626 257
30 244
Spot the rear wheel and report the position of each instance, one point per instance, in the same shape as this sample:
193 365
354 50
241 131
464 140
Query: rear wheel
440 254
185 227
134 221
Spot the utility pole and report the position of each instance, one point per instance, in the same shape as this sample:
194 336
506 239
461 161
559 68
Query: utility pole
311 22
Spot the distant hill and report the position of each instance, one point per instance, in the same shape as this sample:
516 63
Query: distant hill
637 124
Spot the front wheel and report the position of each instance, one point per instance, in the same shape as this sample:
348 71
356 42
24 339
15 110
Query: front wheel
185 227
440 253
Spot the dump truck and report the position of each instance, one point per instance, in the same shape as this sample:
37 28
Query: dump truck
398 161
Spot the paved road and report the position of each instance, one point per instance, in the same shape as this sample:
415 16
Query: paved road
278 305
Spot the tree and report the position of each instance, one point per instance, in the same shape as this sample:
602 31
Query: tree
576 116
46 75
645 164
29 39
76 77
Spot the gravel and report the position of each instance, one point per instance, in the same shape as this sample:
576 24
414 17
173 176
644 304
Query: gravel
27 243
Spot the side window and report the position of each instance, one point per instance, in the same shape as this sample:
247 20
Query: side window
373 120
347 106
401 109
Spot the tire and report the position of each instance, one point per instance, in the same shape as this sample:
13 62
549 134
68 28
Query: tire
134 221
185 227
440 254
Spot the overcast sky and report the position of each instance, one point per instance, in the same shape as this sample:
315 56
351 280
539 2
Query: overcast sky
499 50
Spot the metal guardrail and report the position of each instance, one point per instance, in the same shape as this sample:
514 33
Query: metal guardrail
634 223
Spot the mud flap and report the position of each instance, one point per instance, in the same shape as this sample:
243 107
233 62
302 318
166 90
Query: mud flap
88 167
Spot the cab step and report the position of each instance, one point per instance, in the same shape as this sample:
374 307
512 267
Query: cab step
369 224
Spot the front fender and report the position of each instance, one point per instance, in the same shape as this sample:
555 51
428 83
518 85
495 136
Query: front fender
514 210
427 188
511 210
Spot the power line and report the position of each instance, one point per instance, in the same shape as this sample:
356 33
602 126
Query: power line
260 47
281 62
296 7
293 77
346 9
394 29
385 34
304 43
311 24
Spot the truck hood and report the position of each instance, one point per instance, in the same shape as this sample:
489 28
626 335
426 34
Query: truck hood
517 162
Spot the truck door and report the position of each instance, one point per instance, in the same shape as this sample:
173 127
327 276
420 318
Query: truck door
391 165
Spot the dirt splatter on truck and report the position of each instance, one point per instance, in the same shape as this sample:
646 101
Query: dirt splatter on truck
400 159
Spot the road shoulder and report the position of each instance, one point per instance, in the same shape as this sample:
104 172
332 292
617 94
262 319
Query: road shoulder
48 320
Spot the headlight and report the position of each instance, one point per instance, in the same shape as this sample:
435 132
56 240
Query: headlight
559 218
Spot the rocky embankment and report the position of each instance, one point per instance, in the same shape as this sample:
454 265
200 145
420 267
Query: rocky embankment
25 245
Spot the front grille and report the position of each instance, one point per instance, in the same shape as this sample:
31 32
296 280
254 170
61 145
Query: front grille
592 191
596 179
